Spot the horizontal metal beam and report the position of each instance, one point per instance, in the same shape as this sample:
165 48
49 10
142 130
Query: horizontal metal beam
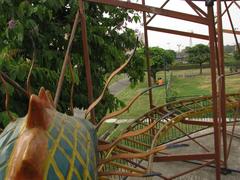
230 31
181 33
154 10
184 157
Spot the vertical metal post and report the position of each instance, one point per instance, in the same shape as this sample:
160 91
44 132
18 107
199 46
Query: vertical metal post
86 58
147 56
216 122
222 95
66 60
165 79
231 22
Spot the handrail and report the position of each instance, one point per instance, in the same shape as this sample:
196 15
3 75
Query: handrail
148 155
198 99
177 119
108 82
127 135
119 112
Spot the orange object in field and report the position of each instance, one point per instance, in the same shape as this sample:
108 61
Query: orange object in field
160 81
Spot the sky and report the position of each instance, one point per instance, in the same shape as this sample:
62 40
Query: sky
175 42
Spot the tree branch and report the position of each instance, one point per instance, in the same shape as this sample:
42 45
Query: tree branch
14 84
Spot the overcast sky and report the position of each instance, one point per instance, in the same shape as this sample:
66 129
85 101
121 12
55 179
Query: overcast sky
169 41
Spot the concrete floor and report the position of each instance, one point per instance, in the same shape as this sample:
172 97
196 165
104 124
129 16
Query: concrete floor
169 169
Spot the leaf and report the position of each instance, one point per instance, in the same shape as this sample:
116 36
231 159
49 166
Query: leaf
76 78
10 89
5 119
19 31
22 8
30 24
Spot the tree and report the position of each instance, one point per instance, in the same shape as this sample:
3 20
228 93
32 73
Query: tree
229 48
43 27
236 55
198 54
158 57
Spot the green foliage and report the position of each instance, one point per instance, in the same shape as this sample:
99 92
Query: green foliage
229 48
158 57
137 63
46 25
198 54
5 118
236 55
171 95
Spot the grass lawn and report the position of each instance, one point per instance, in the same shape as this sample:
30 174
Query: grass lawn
186 83
141 105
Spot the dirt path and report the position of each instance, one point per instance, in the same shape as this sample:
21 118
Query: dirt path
118 86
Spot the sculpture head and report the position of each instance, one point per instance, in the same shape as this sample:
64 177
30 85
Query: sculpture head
46 144
30 152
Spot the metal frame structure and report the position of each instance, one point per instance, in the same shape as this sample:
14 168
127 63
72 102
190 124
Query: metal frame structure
215 38
170 122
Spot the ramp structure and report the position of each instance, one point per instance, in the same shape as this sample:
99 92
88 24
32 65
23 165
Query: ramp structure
149 138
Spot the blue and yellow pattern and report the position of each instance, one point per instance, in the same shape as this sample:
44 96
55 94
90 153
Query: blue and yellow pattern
71 148
7 142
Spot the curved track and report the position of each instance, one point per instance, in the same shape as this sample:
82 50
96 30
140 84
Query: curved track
132 153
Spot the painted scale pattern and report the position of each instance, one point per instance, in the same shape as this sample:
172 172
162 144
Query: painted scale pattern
71 148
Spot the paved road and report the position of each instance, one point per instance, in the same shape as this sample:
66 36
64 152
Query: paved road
118 86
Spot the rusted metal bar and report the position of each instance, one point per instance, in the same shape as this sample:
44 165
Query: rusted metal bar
127 155
234 135
72 87
164 4
127 135
191 170
236 115
86 59
233 30
66 60
28 83
116 113
136 164
196 137
236 4
192 139
194 35
154 10
197 9
226 10
193 8
14 84
184 157
199 123
147 54
131 169
108 82
214 90
138 142
222 97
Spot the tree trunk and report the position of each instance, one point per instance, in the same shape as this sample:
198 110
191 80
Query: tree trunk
154 75
200 69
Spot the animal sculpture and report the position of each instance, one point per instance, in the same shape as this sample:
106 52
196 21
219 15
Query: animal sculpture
46 144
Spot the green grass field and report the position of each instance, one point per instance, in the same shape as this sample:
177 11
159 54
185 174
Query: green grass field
141 105
185 83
